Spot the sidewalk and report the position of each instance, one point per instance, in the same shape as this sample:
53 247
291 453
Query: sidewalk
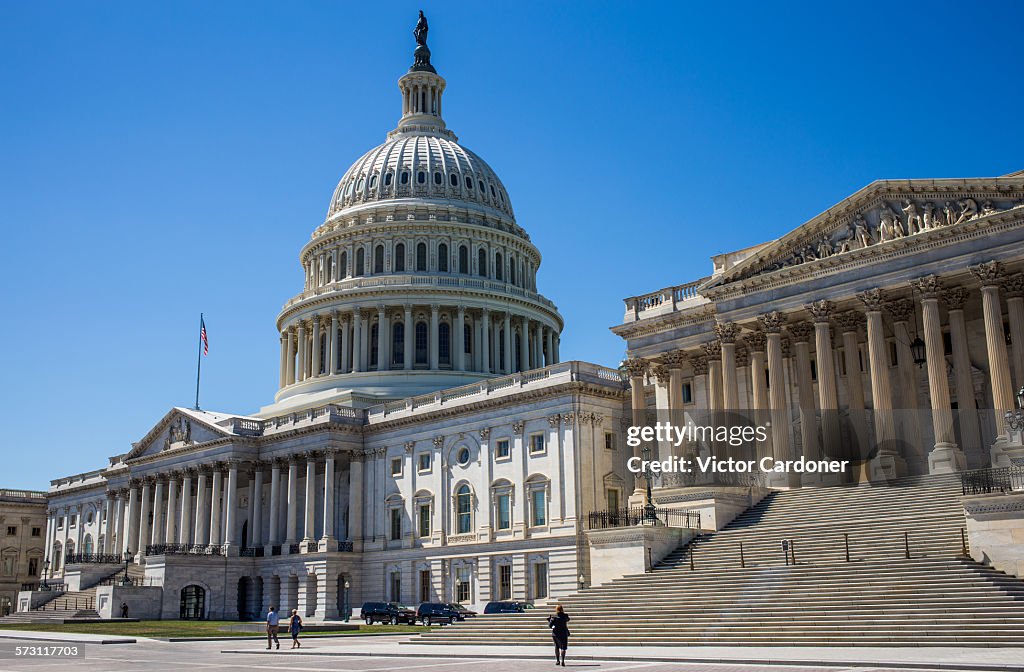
68 637
918 657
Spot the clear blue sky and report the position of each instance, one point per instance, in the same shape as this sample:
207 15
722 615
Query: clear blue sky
162 159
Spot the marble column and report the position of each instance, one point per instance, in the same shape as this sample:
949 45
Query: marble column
967 405
202 535
309 522
131 539
301 336
217 506
849 323
145 509
727 333
409 332
1014 287
157 530
185 525
290 359
275 503
355 499
716 396
433 348
771 324
538 356
485 355
903 311
231 507
801 332
945 457
292 515
256 495
315 365
170 533
459 334
675 360
828 396
357 340
991 277
524 343
888 463
328 541
108 515
250 513
637 371
119 528
663 407
507 345
333 342
756 341
346 344
550 347
383 334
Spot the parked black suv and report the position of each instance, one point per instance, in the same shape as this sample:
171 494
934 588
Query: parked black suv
388 612
507 607
430 613
463 612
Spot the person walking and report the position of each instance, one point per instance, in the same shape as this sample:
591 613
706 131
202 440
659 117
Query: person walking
124 610
559 624
273 624
295 627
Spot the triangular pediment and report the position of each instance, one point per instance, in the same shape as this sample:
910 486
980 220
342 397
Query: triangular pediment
880 214
180 428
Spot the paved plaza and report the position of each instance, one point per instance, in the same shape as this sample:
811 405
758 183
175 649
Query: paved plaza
390 653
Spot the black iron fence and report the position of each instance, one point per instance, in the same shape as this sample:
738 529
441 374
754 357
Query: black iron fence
602 520
184 549
987 481
294 549
252 552
93 558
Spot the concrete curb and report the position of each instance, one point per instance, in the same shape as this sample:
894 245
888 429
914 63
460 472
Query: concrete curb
68 637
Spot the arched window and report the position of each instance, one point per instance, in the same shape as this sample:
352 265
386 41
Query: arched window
516 352
463 510
398 344
359 185
193 603
421 256
463 259
378 259
438 178
58 556
374 341
360 262
442 258
444 343
399 262
421 177
324 354
387 179
373 181
501 350
467 339
498 267
454 180
87 544
482 262
512 270
404 179
469 182
330 268
343 265
421 343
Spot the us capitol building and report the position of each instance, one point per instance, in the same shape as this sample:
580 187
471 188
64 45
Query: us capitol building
427 442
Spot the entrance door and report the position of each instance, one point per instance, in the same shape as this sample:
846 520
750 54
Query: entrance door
193 603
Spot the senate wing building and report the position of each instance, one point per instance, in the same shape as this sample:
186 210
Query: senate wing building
427 442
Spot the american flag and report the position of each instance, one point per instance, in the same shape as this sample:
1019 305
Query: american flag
202 336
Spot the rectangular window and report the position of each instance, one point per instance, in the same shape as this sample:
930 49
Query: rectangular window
396 587
814 369
609 440
539 514
424 462
73 520
613 499
396 524
540 580
893 355
33 566
424 520
687 393
462 584
536 444
503 449
9 565
504 511
37 531
12 530
504 582
396 466
424 585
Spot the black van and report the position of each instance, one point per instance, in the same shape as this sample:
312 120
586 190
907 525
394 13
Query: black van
507 607
430 613
388 612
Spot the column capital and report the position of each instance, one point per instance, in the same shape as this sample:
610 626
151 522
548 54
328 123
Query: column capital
517 427
727 331
173 476
485 433
930 286
955 297
821 310
409 446
700 365
772 322
555 420
674 359
873 300
661 373
800 331
636 367
849 321
316 319
786 346
438 441
712 349
407 307
742 357
435 308
1014 286
902 310
990 274
357 312
755 340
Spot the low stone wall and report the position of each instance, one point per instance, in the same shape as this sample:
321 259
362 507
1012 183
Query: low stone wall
85 575
995 525
622 551
144 602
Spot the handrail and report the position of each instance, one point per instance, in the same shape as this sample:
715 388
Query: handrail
638 515
994 480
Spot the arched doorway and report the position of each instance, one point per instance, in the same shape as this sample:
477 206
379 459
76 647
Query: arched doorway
246 594
193 603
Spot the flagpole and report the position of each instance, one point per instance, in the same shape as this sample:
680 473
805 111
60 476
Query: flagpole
199 359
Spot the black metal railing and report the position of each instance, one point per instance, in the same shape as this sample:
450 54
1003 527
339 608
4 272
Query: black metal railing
638 515
252 552
345 546
275 549
294 549
67 604
120 579
93 558
184 549
987 481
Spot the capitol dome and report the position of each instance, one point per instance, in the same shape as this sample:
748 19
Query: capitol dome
419 278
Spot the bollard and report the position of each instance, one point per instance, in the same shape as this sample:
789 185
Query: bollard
963 542
846 540
906 545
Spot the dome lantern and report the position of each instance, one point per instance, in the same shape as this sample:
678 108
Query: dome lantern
421 88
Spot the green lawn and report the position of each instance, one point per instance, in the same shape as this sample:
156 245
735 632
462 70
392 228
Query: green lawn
166 629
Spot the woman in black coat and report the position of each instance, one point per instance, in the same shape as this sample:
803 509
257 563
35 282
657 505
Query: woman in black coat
559 624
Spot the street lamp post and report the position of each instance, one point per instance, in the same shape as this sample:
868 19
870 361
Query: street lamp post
126 580
650 513
345 608
46 571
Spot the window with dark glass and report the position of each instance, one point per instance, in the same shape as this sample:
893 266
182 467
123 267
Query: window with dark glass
421 177
463 510
463 259
467 339
444 350
504 511
512 271
482 262
503 449
421 256
374 340
360 262
398 344
454 179
378 259
400 258
373 181
404 178
396 524
387 179
442 258
438 179
424 520
421 342
343 265
498 272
